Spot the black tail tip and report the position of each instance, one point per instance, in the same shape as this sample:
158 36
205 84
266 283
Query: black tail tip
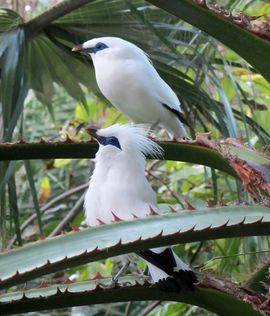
181 280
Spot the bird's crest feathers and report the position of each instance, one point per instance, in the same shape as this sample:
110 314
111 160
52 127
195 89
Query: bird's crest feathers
116 42
133 135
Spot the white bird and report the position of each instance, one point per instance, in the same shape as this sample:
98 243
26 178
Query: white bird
119 187
127 78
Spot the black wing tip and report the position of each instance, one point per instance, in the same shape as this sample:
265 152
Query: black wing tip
180 115
181 280
168 285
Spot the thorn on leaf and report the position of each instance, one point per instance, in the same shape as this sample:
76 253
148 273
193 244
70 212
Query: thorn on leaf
152 212
43 284
24 288
100 221
68 281
173 210
116 218
210 203
189 206
21 141
74 227
221 203
97 276
41 237
68 140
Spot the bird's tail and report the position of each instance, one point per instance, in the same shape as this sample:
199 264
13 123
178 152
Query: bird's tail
167 270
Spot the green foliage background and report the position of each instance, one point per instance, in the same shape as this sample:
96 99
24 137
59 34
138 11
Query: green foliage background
49 92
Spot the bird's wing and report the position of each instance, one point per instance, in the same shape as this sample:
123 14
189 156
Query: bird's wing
168 270
163 91
165 95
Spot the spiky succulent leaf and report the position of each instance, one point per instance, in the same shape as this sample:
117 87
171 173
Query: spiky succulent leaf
222 301
253 167
105 241
184 151
259 279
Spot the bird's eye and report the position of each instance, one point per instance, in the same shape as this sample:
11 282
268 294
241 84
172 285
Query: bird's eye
100 46
113 141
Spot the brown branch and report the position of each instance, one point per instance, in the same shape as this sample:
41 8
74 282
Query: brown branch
39 23
167 187
47 207
68 218
149 308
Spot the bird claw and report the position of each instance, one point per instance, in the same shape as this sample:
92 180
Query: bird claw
115 278
114 283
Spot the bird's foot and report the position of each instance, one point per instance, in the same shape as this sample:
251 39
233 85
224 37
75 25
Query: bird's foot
179 140
115 278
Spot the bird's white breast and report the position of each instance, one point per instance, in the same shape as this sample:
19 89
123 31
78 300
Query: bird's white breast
120 191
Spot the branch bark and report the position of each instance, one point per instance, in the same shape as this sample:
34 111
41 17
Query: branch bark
68 218
40 22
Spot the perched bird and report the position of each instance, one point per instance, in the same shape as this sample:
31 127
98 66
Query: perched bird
119 187
127 78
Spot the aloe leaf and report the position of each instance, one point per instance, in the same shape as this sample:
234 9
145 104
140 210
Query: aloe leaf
252 166
172 151
258 280
130 288
223 29
106 241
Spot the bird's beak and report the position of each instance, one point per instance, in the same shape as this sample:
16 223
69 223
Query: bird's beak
92 130
78 48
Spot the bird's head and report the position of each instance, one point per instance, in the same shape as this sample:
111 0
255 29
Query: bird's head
111 47
124 141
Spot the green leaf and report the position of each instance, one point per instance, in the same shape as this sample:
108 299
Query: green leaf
13 80
119 20
172 151
130 288
50 59
197 100
106 241
253 167
55 63
9 171
251 47
258 280
33 191
13 204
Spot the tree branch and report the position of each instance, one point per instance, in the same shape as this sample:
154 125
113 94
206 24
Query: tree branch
68 218
37 24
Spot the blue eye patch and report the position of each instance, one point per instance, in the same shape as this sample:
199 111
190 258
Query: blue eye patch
111 140
98 47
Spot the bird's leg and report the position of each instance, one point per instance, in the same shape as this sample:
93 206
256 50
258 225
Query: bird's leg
119 273
153 126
